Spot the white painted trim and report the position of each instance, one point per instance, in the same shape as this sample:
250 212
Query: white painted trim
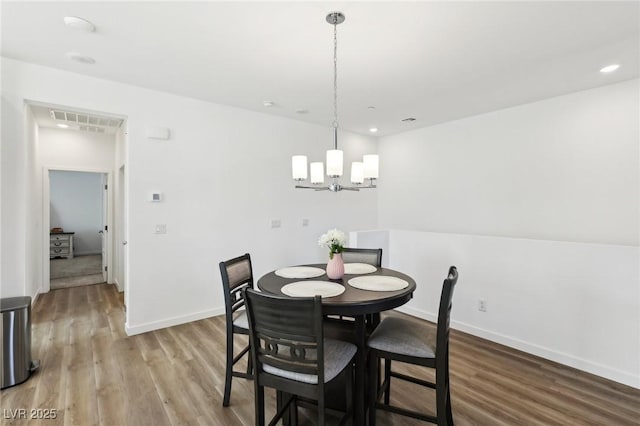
169 322
419 313
35 296
537 350
49 105
46 224
115 281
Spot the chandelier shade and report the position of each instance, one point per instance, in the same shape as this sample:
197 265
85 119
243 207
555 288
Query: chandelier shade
357 173
317 173
371 165
299 167
334 163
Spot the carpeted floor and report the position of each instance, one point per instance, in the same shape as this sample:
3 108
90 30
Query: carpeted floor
81 270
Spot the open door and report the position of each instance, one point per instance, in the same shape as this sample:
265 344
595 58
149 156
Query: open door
104 232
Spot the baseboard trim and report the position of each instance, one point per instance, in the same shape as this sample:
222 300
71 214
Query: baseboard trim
169 322
35 296
566 359
118 286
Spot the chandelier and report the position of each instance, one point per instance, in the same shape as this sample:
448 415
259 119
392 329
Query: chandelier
360 170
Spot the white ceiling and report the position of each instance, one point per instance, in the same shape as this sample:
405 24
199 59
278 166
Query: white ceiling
435 61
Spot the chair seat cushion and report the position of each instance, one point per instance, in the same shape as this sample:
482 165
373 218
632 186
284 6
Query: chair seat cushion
399 336
241 320
337 355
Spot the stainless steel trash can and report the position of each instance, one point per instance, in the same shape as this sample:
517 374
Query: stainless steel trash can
16 340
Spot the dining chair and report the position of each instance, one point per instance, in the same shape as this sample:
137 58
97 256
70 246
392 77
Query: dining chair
291 355
237 275
404 341
335 324
362 255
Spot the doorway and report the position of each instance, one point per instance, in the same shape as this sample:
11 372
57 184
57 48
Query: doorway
78 223
66 139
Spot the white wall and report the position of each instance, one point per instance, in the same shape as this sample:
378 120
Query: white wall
225 174
15 138
33 175
574 303
76 206
68 149
538 206
561 169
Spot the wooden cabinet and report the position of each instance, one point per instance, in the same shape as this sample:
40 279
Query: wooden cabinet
61 244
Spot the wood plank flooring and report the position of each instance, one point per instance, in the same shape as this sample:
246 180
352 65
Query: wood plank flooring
93 374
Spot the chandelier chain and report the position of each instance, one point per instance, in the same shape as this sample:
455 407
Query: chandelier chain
335 74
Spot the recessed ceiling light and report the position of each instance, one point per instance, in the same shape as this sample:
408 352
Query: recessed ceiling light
62 126
268 104
75 56
610 68
373 129
408 119
371 107
302 111
79 24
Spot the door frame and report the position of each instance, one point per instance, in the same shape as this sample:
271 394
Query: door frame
46 220
120 235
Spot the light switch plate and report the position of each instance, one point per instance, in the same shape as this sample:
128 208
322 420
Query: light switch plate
160 229
161 133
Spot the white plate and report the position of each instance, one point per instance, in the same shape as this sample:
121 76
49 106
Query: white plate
313 288
359 268
300 272
378 283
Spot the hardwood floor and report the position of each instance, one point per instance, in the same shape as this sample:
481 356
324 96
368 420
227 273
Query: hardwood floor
93 374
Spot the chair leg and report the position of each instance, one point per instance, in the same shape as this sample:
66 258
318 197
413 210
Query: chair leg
387 379
229 369
372 399
321 410
442 392
348 396
279 403
259 405
293 413
249 363
449 410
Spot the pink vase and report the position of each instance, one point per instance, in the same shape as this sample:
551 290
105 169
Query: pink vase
335 267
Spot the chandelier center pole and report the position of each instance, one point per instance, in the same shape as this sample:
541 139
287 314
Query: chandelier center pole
335 18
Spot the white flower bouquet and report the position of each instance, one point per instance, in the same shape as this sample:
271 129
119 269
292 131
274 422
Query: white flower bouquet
335 240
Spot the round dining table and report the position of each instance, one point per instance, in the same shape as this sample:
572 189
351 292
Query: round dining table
356 303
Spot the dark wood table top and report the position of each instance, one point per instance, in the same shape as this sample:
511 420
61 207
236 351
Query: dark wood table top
353 301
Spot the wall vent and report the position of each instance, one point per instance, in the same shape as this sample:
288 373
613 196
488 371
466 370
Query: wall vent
86 122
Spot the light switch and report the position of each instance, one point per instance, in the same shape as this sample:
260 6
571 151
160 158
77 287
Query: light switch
276 223
160 229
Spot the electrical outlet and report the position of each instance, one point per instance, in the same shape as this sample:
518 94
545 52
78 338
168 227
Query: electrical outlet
305 222
482 305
